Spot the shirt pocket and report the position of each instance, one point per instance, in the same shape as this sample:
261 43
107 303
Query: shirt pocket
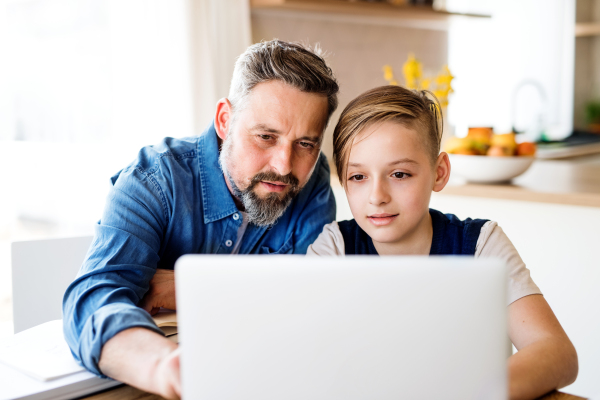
287 247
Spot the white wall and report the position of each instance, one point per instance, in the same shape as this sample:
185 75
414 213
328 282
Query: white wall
83 85
95 71
524 40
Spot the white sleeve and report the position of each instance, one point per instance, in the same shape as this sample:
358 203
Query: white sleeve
329 243
493 242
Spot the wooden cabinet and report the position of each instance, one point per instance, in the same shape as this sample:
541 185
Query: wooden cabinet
584 29
587 59
361 8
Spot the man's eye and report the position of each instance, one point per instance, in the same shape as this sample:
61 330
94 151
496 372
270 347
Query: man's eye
400 175
357 177
265 137
307 145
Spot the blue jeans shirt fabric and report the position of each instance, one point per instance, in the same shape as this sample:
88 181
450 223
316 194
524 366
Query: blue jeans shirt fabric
172 200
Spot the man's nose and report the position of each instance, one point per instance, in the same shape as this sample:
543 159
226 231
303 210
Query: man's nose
281 160
379 193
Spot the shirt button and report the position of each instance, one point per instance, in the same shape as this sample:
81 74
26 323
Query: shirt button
228 243
236 216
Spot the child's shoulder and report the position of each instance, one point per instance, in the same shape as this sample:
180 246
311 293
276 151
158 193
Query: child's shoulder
343 238
453 236
451 219
330 241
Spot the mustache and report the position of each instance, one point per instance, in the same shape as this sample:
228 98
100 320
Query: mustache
265 211
288 179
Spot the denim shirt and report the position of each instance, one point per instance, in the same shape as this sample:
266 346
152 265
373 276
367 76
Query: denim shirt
172 200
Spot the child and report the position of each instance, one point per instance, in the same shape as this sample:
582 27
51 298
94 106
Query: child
387 154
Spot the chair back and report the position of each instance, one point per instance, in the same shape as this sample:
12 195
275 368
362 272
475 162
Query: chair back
41 272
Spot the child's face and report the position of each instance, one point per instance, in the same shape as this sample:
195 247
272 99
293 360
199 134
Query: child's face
389 182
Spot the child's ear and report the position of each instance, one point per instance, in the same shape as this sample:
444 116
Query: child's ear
442 172
223 118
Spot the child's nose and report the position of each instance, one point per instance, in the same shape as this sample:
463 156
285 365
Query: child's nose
379 193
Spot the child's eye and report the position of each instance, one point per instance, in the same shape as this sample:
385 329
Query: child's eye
356 177
400 175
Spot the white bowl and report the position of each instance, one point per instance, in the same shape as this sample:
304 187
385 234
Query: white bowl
486 169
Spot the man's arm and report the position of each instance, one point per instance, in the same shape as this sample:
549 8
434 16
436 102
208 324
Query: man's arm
546 359
144 359
103 300
161 292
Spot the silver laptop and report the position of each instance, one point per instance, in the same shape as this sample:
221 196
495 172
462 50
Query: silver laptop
292 327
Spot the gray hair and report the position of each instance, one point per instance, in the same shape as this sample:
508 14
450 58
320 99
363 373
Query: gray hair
293 63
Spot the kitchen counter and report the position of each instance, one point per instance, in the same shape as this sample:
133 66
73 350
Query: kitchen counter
573 181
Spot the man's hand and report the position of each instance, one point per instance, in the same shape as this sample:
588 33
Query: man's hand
161 292
142 358
168 376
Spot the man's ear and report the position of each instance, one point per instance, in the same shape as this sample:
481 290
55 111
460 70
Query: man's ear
442 172
223 118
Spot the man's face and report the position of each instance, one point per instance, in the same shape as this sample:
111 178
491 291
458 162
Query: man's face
270 151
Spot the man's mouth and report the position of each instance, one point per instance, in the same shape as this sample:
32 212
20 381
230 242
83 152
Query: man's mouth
274 186
382 219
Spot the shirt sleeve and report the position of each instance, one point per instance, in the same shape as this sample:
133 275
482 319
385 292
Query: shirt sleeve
329 243
493 242
318 210
123 257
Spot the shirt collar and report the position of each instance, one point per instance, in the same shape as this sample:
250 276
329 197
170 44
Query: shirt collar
217 200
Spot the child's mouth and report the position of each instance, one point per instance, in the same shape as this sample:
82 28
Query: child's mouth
382 219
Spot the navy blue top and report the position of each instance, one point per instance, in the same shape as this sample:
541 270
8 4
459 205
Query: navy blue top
451 236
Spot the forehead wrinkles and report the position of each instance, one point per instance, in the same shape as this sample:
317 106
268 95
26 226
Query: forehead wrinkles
287 112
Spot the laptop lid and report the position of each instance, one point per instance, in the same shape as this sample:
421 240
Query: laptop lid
292 327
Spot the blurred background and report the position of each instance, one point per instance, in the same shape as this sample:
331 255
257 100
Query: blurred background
85 83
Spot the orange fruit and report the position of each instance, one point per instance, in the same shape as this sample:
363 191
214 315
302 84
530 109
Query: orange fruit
526 149
499 151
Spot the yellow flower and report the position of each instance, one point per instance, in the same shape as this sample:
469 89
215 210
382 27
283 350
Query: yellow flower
413 73
388 73
425 83
412 68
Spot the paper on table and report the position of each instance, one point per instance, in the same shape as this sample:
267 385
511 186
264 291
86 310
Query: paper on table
40 352
15 385
165 318
169 330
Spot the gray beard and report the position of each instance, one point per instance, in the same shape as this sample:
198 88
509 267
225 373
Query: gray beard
265 211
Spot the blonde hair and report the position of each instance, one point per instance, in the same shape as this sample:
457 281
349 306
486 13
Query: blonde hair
416 109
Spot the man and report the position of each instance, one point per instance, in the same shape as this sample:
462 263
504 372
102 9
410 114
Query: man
266 191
